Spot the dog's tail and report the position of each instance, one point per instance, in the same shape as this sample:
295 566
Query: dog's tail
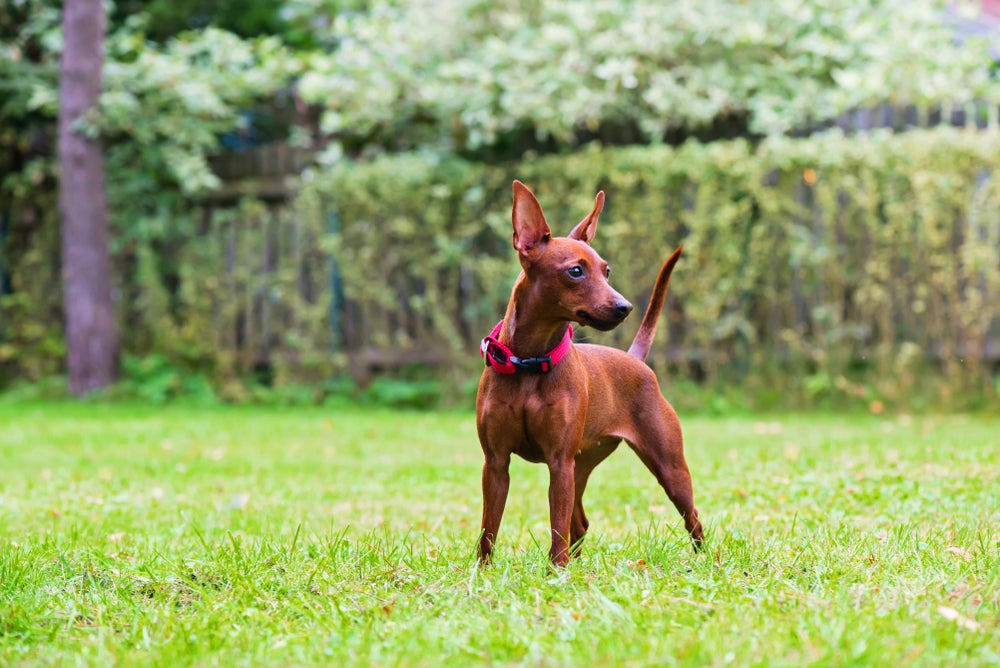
647 329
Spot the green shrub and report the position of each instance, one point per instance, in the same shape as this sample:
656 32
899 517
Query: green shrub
831 270
156 379
818 266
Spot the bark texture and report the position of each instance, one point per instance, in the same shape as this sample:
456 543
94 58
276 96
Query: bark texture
91 329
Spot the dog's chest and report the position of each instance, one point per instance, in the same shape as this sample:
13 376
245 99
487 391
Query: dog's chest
550 423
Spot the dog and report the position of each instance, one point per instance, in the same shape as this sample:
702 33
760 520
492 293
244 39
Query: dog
549 400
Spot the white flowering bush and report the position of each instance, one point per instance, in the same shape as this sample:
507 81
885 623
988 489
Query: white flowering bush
168 106
458 74
162 108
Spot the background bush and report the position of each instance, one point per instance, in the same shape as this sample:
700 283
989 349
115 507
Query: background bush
809 265
824 268
832 268
487 78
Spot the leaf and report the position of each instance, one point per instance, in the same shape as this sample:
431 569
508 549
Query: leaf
954 615
959 552
239 501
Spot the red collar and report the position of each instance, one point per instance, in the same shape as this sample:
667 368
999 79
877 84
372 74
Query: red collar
501 359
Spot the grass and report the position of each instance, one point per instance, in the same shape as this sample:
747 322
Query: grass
244 536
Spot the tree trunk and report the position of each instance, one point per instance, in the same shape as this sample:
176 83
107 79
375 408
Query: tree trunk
91 329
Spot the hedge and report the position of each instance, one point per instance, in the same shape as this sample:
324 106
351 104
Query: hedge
865 267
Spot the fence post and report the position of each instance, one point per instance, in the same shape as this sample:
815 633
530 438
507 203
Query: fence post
336 286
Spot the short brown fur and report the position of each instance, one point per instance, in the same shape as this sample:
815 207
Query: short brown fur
573 417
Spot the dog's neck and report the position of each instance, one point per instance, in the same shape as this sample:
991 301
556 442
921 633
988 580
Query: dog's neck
526 330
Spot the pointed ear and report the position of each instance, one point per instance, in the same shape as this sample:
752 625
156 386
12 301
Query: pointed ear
531 232
587 228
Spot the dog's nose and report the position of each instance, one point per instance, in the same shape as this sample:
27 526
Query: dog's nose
623 308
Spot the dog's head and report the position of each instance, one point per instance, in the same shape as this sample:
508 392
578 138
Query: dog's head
568 275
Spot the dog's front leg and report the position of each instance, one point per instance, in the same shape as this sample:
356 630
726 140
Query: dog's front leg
496 483
561 495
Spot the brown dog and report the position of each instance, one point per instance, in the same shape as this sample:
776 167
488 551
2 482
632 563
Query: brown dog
548 400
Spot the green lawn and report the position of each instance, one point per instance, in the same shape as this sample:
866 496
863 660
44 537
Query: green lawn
340 537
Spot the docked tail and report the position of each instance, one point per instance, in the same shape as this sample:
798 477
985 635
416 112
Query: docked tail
647 330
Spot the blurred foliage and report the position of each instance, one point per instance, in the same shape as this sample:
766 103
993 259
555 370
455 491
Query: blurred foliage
461 75
155 379
795 286
163 110
167 18
162 114
298 23
823 270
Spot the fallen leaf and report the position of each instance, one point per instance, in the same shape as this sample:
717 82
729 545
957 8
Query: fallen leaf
239 501
954 615
791 451
639 565
767 428
959 552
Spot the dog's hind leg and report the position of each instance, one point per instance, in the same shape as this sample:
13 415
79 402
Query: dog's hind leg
660 446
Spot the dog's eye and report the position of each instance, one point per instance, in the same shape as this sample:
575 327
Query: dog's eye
576 271
607 272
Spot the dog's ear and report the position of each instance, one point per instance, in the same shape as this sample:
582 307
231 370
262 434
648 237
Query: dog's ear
587 228
531 232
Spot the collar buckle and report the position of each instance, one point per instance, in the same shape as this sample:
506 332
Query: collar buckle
501 359
534 364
